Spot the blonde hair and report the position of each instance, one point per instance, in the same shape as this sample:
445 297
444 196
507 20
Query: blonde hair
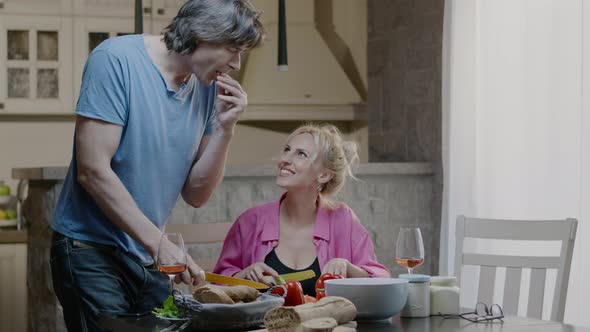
336 154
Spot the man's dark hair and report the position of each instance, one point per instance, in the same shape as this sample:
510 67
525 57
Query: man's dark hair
232 23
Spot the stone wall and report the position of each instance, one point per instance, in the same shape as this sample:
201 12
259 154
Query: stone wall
404 54
45 313
384 197
382 202
404 69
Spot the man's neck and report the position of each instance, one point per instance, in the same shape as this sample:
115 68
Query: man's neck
171 64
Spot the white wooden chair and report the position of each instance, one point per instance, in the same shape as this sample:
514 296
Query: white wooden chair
202 234
541 230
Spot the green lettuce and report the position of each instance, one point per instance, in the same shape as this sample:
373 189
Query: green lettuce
169 309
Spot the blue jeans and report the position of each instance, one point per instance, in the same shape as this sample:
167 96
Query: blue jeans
92 280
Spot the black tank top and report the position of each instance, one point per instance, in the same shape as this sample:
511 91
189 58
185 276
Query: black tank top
308 285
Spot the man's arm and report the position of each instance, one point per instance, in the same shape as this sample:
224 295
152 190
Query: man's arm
96 144
207 171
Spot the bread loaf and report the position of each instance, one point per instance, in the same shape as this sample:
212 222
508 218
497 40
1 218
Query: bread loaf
288 319
240 293
323 324
225 294
212 295
342 328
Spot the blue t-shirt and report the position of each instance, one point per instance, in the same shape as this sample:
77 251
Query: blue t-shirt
162 130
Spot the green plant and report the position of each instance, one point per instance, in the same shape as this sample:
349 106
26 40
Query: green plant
4 189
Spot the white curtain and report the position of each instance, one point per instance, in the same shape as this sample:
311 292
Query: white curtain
516 121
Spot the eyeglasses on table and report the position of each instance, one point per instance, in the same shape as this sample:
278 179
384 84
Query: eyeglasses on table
482 313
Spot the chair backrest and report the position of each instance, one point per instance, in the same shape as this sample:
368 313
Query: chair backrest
202 234
540 230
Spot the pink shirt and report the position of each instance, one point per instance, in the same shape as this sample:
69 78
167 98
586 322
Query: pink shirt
337 234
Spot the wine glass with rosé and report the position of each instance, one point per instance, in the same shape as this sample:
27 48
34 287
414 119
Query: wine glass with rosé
409 251
171 258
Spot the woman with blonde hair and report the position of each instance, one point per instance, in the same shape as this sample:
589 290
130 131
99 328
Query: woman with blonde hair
304 229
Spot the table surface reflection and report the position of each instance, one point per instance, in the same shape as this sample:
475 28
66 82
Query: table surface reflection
439 324
395 324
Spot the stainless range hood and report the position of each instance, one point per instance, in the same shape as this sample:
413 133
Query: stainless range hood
323 81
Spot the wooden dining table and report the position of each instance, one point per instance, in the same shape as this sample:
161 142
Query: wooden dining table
394 324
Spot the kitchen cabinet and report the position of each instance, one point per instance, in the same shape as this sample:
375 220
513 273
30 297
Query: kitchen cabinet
88 33
161 14
156 13
36 70
104 8
45 43
36 7
166 9
13 287
103 19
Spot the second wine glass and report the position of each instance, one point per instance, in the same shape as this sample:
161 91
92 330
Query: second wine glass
171 258
409 251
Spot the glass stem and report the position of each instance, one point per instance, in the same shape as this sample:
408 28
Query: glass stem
171 277
409 271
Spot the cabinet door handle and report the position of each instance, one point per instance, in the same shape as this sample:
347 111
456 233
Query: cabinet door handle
161 11
147 10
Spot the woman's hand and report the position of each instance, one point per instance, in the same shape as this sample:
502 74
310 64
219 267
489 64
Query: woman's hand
258 272
231 102
337 266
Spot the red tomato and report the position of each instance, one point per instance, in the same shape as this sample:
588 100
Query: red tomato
320 291
292 292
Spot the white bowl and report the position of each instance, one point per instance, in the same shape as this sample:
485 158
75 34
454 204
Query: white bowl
374 298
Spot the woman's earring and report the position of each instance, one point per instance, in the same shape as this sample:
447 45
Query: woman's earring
320 187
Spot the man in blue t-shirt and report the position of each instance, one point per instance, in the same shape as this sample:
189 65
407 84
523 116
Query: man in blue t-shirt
154 120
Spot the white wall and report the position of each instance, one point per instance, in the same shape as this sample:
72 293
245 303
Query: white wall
582 270
514 115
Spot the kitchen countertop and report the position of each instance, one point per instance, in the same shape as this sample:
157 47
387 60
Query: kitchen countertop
12 236
386 194
57 173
